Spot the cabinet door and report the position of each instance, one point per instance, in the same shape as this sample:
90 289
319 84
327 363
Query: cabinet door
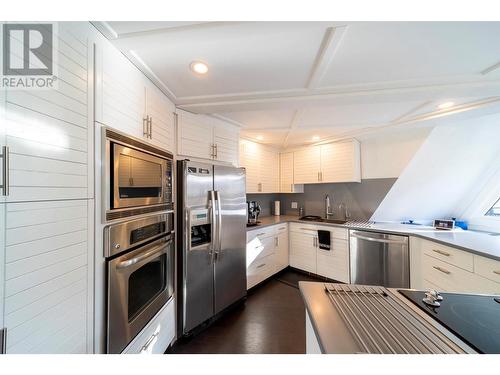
303 251
161 112
307 165
250 160
194 135
286 175
48 131
334 263
340 162
120 92
226 139
282 249
269 170
47 277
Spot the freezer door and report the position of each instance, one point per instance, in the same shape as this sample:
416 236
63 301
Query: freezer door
197 261
230 264
379 259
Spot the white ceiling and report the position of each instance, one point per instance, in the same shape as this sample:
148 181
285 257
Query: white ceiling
290 81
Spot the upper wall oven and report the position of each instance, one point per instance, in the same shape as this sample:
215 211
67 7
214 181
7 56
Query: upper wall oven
138 177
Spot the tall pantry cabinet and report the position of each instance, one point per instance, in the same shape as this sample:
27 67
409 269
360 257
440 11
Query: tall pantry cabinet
46 214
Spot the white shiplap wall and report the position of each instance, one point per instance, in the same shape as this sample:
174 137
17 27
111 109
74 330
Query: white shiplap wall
47 219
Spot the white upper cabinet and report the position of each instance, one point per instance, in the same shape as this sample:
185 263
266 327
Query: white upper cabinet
47 132
262 167
341 162
287 184
128 101
307 165
333 162
161 118
120 92
226 139
204 137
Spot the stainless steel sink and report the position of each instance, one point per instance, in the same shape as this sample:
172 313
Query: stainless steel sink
318 219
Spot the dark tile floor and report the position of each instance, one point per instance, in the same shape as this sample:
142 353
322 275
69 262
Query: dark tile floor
271 321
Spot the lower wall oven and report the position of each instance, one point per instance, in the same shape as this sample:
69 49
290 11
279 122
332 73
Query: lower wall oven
140 272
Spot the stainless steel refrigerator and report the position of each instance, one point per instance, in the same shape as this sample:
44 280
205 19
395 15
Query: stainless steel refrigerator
211 241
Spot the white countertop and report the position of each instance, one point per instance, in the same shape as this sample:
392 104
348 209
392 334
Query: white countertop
480 243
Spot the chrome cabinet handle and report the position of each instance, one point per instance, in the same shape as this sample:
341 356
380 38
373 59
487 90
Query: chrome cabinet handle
309 229
148 343
318 176
5 170
145 126
260 234
259 186
441 270
291 188
276 242
151 127
496 272
216 151
261 265
442 252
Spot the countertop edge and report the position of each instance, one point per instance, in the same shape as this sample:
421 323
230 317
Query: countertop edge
292 219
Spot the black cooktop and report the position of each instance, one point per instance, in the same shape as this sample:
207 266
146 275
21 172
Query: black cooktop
474 319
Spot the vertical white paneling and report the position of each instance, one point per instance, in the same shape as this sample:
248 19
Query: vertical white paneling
302 251
249 159
269 170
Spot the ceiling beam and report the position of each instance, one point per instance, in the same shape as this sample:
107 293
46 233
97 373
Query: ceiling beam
491 68
293 124
329 46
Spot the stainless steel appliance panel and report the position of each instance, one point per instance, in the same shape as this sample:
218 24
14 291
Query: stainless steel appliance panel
140 282
379 259
197 268
230 249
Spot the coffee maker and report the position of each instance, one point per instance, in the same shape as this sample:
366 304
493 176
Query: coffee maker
252 213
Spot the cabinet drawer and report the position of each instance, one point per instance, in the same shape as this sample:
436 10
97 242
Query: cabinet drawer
260 233
260 270
449 255
487 268
157 335
445 276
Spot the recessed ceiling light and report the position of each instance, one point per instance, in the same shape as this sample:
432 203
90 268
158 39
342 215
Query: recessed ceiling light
316 138
199 67
446 105
260 138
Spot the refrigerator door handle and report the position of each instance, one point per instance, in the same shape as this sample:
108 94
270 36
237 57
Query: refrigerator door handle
219 225
213 219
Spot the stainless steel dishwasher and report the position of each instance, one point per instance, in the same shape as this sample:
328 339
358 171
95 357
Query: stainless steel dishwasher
379 259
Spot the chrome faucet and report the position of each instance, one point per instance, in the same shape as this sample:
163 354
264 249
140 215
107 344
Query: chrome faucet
328 207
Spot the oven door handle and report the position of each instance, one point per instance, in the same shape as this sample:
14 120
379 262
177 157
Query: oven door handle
162 249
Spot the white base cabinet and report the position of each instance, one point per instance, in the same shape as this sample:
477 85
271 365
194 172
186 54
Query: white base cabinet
447 269
306 255
267 252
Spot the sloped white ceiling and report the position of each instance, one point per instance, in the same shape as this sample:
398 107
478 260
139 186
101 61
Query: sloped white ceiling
438 179
289 81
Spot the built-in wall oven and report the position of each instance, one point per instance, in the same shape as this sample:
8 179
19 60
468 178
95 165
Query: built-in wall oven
140 275
138 177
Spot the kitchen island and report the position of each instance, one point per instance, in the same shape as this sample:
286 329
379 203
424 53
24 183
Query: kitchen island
353 319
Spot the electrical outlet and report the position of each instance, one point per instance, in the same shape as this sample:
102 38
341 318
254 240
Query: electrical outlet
294 205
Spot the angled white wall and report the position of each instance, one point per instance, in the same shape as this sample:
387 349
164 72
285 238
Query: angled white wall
443 173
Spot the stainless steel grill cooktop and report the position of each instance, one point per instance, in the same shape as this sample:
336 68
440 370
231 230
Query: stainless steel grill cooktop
383 322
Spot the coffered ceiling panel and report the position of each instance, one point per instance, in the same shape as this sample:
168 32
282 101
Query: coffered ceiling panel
262 119
405 51
242 57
